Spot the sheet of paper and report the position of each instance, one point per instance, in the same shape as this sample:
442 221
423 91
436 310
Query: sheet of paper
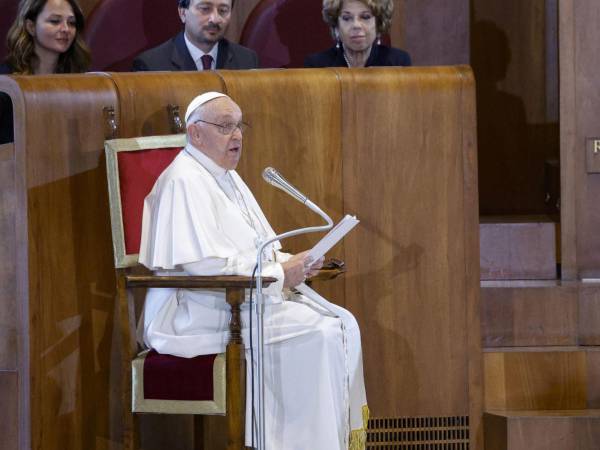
333 237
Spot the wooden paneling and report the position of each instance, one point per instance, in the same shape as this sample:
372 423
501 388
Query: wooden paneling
589 314
593 377
542 430
144 99
531 379
569 178
395 146
8 296
528 314
494 431
413 235
167 431
580 104
9 393
71 282
517 249
540 313
587 64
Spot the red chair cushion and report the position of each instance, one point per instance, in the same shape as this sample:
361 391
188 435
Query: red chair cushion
138 172
168 377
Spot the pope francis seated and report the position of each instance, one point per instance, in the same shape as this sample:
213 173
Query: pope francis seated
201 219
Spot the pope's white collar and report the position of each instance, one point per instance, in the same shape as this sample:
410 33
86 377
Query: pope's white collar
214 169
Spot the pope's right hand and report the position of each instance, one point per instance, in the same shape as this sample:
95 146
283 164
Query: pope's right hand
295 269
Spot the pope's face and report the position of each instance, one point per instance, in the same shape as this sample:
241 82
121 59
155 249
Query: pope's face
356 25
223 149
206 21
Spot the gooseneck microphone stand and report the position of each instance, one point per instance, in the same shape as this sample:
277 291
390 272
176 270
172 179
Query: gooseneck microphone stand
273 177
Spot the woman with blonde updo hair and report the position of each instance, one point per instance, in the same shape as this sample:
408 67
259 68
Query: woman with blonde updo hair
357 26
46 38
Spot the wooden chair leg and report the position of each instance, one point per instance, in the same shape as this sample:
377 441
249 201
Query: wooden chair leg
236 367
198 432
130 420
236 396
131 431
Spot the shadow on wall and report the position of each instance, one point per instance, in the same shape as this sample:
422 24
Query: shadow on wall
512 153
118 30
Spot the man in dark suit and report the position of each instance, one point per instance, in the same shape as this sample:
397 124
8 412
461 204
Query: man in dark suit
201 45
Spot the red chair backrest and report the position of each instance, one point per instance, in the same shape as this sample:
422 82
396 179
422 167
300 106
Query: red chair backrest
138 171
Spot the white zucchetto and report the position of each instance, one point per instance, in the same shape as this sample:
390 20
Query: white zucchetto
201 100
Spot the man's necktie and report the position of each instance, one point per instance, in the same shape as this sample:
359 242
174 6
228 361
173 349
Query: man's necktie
206 62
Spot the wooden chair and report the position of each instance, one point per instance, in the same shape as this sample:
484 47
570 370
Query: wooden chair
133 166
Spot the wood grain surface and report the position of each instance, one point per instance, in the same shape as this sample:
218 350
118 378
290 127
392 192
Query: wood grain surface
516 314
536 378
409 174
395 146
581 104
144 99
9 425
71 289
542 430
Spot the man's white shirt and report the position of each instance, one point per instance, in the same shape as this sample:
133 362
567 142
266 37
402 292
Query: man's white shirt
197 54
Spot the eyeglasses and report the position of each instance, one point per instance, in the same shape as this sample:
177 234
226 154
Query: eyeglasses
227 128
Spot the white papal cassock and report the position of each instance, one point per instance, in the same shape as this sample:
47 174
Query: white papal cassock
201 219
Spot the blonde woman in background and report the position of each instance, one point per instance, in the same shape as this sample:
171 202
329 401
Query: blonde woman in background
357 26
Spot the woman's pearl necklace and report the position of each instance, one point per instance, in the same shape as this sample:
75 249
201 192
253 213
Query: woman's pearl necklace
349 59
346 59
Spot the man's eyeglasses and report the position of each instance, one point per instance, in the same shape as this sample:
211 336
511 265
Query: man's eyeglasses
227 128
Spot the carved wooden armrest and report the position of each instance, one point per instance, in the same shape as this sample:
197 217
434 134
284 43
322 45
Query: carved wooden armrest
195 282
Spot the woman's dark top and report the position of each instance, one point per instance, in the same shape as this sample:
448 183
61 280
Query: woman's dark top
5 69
381 55
6 110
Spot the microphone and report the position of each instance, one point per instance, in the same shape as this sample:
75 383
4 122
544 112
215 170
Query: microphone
274 178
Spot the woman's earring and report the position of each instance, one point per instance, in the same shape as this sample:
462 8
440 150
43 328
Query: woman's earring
378 39
337 39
